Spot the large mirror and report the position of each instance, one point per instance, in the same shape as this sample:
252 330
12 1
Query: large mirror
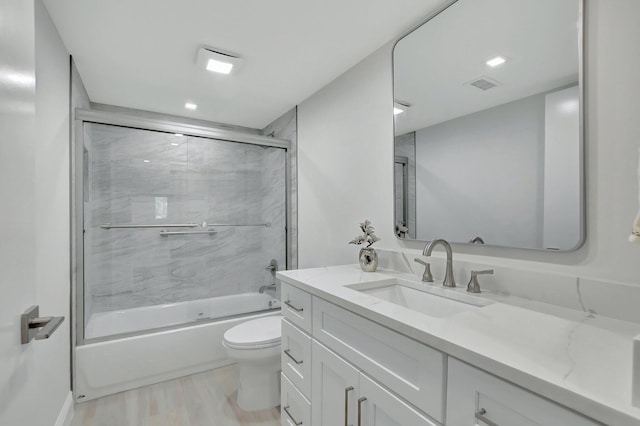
488 125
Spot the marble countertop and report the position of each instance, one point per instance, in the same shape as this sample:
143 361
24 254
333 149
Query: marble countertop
577 359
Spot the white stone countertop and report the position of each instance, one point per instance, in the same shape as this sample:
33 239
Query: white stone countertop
577 359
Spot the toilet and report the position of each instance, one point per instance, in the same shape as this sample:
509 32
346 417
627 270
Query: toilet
255 344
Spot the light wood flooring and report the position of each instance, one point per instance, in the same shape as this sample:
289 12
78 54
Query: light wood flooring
205 399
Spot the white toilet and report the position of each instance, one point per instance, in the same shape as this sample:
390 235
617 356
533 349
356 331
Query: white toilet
255 345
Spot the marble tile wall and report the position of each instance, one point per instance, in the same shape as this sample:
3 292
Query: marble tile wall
144 177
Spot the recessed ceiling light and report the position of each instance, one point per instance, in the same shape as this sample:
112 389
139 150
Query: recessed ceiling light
219 66
178 134
190 106
147 161
397 111
175 144
498 60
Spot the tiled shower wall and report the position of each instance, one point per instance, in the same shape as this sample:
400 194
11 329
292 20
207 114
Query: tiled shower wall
183 180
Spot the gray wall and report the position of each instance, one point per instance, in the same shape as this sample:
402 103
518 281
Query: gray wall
200 180
482 175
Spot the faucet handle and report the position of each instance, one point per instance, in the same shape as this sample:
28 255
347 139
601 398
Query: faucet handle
427 277
473 286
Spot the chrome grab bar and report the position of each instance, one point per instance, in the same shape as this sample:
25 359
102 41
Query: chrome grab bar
346 404
164 233
288 303
286 410
180 225
360 401
31 325
165 225
266 224
287 352
480 416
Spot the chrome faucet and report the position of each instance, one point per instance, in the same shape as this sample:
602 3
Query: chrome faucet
267 287
449 280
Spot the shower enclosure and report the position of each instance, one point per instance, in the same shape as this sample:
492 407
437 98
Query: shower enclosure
177 228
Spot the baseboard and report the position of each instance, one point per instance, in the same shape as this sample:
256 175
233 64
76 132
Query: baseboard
66 413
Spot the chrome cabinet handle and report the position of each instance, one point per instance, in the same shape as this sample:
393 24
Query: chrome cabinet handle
480 416
286 351
286 410
288 303
346 404
360 401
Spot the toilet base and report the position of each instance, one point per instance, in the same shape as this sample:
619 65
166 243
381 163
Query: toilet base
259 384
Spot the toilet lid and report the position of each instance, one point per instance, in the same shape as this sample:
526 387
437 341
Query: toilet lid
260 332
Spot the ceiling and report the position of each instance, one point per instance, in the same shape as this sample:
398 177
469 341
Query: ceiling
142 54
434 64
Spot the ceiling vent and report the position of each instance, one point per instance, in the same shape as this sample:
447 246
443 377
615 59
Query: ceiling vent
484 83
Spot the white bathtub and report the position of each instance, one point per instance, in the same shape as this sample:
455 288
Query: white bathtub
116 365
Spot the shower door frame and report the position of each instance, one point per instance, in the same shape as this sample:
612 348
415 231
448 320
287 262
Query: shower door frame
77 197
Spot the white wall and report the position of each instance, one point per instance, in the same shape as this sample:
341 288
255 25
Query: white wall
52 214
482 175
346 168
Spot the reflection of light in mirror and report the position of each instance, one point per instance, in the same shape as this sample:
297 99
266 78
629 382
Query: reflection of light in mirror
494 62
397 111
174 144
569 107
20 79
191 106
162 206
146 161
178 134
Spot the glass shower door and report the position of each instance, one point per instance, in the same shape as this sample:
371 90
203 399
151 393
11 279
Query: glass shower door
177 228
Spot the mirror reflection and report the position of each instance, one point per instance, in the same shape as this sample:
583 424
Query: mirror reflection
488 146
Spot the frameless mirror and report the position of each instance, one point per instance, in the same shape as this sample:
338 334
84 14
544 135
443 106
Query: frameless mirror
488 125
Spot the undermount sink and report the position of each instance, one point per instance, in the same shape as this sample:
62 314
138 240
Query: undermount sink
423 300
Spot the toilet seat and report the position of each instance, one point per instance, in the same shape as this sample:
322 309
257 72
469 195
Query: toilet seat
259 333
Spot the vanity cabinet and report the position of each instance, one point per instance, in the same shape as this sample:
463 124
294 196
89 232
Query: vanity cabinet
321 346
343 395
339 368
476 396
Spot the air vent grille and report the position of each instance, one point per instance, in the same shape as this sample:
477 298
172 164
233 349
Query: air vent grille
484 83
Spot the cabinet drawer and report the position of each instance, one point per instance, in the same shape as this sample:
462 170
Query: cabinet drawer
412 370
296 357
295 408
296 306
475 396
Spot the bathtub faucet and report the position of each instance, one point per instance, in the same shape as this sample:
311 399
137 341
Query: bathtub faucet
267 287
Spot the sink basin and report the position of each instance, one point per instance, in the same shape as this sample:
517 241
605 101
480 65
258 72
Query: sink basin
427 300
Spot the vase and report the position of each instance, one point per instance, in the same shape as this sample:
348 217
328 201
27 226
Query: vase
368 259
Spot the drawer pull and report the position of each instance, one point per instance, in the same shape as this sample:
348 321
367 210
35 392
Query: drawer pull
287 352
286 410
480 416
288 303
346 404
360 401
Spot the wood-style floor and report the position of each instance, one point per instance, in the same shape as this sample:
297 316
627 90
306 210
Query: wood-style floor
205 399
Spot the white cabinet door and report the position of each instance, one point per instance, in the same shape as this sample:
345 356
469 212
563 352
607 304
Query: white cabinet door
379 407
334 389
475 397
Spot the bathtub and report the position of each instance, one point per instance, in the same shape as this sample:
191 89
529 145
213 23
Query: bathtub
193 345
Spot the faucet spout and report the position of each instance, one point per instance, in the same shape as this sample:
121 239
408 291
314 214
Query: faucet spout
449 280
